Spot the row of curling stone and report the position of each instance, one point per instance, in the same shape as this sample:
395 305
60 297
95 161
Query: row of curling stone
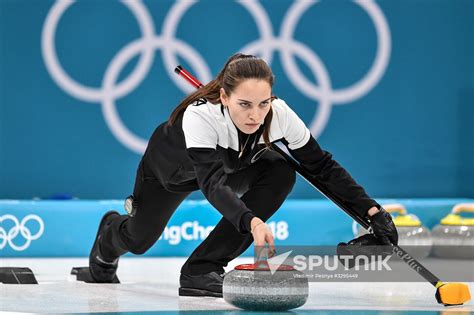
411 232
454 236
444 241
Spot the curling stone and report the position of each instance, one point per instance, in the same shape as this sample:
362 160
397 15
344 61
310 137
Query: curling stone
260 287
454 236
411 233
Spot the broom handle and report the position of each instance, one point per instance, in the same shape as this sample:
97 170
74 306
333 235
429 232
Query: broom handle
412 262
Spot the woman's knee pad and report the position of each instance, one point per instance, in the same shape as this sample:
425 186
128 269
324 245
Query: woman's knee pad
138 244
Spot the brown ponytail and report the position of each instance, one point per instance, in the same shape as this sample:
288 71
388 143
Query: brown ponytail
238 68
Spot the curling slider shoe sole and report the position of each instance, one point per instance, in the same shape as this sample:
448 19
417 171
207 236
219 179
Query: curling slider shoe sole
198 293
84 274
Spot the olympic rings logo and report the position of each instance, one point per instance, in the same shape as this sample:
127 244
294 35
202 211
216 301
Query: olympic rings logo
19 228
110 91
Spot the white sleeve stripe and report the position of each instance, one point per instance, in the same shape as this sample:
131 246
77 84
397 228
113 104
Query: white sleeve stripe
294 129
302 142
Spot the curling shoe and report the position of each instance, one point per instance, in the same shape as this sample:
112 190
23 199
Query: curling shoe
101 270
208 284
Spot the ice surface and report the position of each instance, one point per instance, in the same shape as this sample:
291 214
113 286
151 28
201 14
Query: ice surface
151 284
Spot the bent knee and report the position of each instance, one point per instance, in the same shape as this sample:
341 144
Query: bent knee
140 247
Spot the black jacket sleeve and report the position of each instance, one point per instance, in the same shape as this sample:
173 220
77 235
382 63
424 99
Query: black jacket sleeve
211 179
333 176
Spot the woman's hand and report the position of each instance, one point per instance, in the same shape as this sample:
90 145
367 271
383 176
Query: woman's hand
383 227
262 235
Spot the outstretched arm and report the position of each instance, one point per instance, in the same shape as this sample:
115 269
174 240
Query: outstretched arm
334 177
319 163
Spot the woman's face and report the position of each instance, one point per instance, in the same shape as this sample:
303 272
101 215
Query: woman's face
249 104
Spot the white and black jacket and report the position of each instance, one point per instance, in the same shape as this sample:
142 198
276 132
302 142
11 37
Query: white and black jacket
202 147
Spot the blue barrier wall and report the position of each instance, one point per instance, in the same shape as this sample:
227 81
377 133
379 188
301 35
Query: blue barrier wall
68 228
386 86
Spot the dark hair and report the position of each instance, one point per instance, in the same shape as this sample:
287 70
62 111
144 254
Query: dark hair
239 67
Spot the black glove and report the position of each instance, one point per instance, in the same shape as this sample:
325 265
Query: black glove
366 245
383 227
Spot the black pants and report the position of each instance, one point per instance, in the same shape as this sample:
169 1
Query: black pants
263 187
